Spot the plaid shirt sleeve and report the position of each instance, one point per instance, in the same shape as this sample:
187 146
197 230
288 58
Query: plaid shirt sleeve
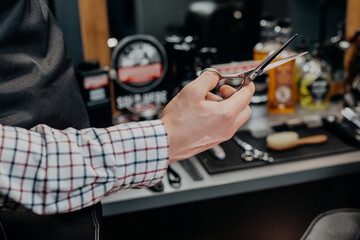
52 171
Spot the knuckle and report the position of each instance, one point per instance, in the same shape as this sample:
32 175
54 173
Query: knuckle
246 113
249 110
200 106
228 115
249 90
229 135
252 88
187 91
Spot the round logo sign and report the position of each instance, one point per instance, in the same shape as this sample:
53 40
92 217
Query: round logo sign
140 62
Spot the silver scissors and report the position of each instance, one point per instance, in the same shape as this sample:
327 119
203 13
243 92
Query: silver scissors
249 75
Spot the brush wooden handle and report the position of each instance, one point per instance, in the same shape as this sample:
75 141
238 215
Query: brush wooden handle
312 139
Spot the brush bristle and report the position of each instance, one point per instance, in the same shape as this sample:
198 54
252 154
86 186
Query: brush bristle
282 140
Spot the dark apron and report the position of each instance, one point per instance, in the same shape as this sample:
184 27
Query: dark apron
38 85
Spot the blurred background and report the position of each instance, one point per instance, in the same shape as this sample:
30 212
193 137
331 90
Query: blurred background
132 57
194 35
161 18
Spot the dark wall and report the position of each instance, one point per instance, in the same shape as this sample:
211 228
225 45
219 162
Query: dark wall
67 15
166 15
159 17
281 8
121 18
317 20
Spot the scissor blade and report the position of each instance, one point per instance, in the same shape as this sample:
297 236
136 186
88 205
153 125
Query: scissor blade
269 59
282 61
273 64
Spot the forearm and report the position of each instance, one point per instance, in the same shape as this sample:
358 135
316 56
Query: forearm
51 171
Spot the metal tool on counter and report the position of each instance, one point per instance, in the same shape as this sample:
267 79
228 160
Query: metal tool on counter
218 152
173 177
159 187
249 75
191 170
341 130
251 153
351 116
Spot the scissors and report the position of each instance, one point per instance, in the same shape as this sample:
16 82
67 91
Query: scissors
249 75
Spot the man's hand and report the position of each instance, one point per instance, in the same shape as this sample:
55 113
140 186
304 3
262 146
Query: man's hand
197 120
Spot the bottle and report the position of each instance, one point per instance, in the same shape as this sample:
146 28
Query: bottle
315 85
303 46
261 51
94 84
282 91
267 38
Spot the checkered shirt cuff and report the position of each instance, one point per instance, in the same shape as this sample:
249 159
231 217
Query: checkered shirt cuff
53 171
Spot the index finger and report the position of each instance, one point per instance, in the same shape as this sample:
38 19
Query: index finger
240 99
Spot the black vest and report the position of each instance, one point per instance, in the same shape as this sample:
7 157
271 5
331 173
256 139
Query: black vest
37 80
38 85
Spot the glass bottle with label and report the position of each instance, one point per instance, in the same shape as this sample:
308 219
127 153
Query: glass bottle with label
261 51
315 85
282 91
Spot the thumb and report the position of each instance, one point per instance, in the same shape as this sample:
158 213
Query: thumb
206 82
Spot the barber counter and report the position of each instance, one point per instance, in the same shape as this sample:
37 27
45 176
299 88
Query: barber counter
220 178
